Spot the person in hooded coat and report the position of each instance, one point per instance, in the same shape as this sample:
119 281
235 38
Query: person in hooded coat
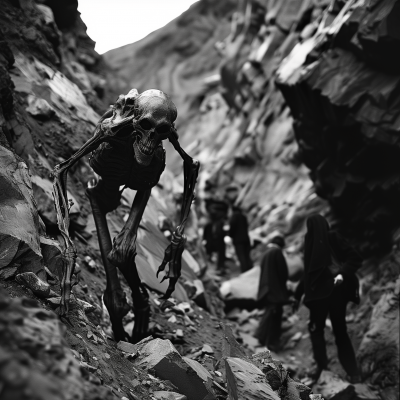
239 232
329 283
272 293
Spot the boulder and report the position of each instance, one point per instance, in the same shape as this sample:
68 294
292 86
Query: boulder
246 381
161 357
19 220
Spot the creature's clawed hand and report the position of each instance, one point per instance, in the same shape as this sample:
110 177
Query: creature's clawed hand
173 257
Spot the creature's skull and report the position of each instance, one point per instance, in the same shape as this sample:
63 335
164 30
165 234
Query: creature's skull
155 114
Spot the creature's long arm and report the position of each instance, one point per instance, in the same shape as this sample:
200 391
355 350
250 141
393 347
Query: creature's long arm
110 123
173 253
62 208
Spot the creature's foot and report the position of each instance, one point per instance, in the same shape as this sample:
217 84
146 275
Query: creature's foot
141 327
117 306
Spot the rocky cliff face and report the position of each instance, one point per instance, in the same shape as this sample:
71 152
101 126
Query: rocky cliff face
305 120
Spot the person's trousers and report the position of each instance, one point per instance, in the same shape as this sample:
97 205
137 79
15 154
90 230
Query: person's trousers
335 307
269 330
242 250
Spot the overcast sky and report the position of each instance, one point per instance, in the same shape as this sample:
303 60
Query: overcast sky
114 23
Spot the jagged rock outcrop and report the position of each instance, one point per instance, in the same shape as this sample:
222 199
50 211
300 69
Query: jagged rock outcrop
341 84
19 219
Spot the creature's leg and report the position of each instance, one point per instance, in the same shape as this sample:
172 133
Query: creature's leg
123 256
173 253
114 297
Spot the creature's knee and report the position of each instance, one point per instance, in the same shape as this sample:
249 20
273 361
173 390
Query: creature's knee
123 252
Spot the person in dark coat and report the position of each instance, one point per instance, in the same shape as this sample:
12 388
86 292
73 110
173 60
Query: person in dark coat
272 293
239 232
329 283
213 235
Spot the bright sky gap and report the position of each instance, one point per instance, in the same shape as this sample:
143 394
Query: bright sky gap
116 23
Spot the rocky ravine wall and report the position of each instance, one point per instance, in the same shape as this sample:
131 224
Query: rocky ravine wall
315 123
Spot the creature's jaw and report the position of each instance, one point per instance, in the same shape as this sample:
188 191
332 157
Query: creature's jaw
144 152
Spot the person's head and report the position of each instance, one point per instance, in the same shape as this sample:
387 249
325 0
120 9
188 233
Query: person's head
317 222
236 208
278 240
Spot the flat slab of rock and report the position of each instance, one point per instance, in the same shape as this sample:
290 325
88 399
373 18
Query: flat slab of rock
161 357
230 347
164 395
332 387
200 370
246 381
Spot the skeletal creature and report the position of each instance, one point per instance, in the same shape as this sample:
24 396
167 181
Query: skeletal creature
126 151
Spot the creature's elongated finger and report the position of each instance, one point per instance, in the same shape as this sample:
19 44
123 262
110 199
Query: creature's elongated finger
176 264
166 260
171 288
165 277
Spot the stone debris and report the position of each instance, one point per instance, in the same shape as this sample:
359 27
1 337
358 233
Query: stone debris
87 307
39 108
172 319
246 381
91 264
33 282
35 358
161 357
207 349
164 395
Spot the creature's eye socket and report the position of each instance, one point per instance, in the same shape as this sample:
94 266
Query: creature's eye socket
145 124
163 129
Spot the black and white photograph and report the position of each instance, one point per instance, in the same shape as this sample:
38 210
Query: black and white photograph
199 199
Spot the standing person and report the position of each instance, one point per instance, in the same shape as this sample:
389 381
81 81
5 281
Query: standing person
239 232
272 293
329 283
214 234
